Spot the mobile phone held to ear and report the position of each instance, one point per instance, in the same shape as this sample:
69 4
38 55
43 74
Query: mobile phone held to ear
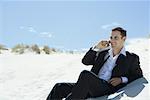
103 44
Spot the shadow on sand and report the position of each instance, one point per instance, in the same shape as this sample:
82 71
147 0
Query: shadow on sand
131 90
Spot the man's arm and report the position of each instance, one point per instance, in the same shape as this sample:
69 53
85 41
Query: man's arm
135 71
89 57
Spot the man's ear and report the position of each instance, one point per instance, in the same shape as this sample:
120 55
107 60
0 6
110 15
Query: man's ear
124 38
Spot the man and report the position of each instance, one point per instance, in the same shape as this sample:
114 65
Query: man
113 68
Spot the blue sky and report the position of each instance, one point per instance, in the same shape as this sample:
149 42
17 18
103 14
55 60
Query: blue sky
70 24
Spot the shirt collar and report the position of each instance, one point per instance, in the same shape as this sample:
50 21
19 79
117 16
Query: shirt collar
123 51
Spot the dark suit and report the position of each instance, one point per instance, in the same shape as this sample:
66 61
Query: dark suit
90 85
126 66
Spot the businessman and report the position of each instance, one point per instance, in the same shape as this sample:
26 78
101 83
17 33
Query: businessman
113 68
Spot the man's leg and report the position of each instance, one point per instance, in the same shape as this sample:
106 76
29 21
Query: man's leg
89 84
60 91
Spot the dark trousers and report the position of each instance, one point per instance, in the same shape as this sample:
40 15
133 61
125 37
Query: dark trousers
88 85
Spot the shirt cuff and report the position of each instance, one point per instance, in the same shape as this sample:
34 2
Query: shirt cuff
99 50
124 79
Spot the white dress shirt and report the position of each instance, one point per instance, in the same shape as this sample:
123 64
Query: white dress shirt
106 70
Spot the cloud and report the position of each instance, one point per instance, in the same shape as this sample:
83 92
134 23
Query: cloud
107 26
46 34
31 29
21 27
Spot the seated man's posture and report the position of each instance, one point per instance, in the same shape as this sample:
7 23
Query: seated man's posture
113 68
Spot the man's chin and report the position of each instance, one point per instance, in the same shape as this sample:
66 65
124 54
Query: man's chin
112 46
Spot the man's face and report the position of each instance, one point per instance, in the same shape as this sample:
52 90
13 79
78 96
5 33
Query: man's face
116 40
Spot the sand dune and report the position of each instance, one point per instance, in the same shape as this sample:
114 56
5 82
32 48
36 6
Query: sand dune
31 77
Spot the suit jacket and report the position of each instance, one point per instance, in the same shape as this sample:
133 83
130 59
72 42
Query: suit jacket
126 66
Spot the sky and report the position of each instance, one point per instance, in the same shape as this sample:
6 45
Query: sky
74 24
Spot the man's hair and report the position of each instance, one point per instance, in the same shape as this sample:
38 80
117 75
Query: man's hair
121 30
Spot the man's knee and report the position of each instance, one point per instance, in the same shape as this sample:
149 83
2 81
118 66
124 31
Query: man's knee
54 92
61 87
58 85
85 74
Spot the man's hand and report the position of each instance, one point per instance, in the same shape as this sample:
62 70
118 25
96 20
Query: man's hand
115 81
102 44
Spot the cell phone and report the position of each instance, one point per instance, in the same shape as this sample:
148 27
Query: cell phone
106 43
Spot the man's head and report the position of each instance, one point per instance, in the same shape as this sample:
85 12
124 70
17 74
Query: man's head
117 38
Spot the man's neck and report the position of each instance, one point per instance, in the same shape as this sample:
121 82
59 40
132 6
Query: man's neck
116 51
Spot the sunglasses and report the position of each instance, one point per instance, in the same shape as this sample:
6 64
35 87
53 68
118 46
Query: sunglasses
114 38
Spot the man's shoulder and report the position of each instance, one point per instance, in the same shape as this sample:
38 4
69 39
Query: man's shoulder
131 54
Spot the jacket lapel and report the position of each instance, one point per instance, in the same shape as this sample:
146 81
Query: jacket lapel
121 66
120 59
99 62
